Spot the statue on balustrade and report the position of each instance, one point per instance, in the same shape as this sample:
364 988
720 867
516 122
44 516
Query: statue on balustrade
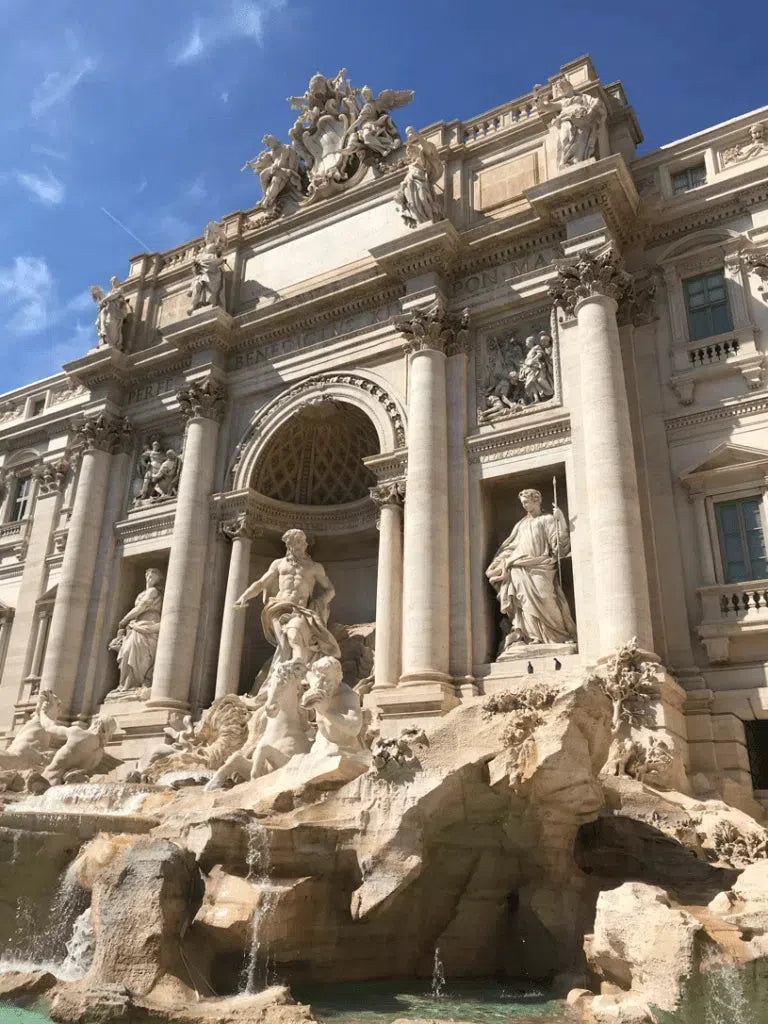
297 598
136 640
114 310
417 199
207 288
525 574
578 118
282 176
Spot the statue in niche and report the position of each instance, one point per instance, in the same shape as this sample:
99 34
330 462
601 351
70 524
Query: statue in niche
160 472
518 376
114 310
281 174
207 288
416 199
524 573
136 640
297 597
577 120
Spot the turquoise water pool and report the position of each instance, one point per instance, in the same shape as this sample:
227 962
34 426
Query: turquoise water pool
373 1002
13 1015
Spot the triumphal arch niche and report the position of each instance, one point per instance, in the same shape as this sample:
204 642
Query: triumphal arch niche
325 457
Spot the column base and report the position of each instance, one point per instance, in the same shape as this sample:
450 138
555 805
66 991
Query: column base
421 676
419 698
168 703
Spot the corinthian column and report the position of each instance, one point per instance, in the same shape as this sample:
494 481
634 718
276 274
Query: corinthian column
591 288
426 580
202 402
241 532
101 436
388 498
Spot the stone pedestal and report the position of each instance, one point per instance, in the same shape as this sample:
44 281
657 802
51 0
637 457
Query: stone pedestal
389 585
203 404
101 437
241 532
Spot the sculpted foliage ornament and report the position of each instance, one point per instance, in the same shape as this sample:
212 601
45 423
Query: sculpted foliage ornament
587 275
432 327
104 433
204 399
739 848
52 476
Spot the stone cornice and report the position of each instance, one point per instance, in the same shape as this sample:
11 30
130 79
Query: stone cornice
491 447
272 516
726 411
430 247
388 466
726 200
147 523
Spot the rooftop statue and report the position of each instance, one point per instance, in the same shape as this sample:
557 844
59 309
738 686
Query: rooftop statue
281 174
417 199
114 310
207 288
577 120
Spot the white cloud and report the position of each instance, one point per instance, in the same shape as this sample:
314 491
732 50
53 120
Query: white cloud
236 20
48 189
196 191
27 287
80 302
58 86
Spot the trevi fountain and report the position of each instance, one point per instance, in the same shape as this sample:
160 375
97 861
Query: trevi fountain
382 606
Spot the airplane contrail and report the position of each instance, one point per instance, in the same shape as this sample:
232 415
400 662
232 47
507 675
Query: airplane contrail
125 229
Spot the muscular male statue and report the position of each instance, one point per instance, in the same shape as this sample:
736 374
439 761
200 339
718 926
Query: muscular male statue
297 598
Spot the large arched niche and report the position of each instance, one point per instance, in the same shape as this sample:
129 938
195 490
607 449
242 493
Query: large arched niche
302 463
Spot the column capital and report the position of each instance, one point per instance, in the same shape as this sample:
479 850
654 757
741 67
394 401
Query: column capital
588 276
242 526
104 433
433 328
202 399
391 492
51 476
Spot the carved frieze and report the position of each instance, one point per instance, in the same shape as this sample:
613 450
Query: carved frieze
755 144
158 472
202 399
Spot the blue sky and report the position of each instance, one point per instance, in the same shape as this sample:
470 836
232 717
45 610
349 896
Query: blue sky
143 113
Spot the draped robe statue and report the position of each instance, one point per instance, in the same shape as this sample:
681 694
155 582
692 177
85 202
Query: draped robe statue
136 641
524 574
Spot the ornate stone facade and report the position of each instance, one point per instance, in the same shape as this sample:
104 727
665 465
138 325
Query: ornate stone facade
384 360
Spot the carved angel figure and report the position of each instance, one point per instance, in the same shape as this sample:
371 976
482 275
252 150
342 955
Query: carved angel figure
417 199
578 118
280 173
374 129
114 310
207 288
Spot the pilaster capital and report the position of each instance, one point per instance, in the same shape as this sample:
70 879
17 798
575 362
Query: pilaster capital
104 433
388 494
433 328
242 527
202 399
588 275
52 476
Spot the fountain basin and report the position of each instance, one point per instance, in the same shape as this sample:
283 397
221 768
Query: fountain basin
83 824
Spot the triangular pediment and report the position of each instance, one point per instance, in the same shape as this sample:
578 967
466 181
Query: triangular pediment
49 596
728 457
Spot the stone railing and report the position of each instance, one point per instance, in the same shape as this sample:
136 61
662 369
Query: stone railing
731 610
702 354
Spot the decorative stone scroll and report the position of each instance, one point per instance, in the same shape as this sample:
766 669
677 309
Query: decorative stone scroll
391 492
204 399
432 327
52 476
243 525
104 433
589 274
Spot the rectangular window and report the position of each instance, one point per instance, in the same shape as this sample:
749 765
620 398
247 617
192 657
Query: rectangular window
707 303
757 748
741 540
20 505
691 177
37 407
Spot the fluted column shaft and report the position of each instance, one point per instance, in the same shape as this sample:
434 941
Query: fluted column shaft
389 585
203 404
615 526
241 532
426 594
101 437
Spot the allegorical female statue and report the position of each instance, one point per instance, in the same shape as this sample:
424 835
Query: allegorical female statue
577 121
114 310
524 572
136 640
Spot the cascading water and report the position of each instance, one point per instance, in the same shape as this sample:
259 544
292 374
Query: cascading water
438 977
80 949
259 970
725 999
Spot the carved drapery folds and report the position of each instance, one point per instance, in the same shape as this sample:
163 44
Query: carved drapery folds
590 274
208 287
105 433
114 311
417 199
204 399
159 469
433 327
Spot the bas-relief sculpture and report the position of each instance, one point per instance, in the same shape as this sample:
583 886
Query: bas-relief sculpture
114 311
517 376
136 640
576 118
524 573
207 288
417 199
754 146
160 471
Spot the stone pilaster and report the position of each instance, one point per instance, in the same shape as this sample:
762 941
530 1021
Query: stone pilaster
241 532
388 498
590 287
202 403
426 583
100 437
